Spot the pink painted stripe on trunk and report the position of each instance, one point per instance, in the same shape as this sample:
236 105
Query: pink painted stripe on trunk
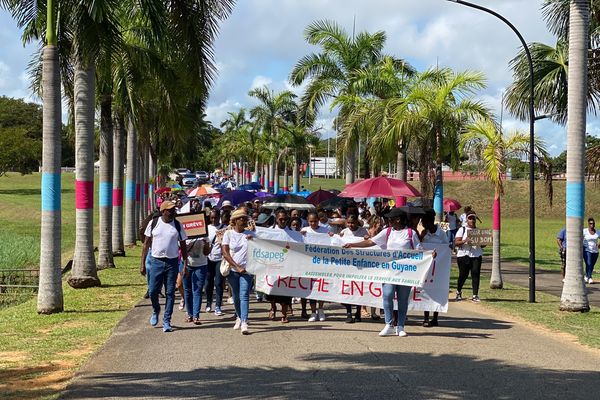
84 195
137 192
118 197
496 215
146 189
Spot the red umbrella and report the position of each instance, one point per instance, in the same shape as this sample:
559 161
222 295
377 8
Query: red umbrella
319 196
380 187
162 190
451 205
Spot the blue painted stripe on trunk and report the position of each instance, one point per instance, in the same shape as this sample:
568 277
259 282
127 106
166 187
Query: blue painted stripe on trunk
575 199
105 194
51 191
438 200
130 190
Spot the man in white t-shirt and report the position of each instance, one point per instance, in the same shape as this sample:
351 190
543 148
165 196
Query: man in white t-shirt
165 236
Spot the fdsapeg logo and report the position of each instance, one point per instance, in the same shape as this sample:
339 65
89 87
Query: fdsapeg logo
270 257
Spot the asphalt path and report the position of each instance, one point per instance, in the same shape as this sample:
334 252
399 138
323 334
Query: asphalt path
475 353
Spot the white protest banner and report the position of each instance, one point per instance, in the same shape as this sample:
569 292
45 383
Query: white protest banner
432 296
303 260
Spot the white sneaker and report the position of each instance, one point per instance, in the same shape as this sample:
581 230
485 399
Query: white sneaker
400 332
590 281
563 280
387 330
245 328
238 322
313 317
208 309
322 316
585 279
230 300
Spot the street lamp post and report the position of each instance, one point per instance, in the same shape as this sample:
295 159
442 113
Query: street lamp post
531 146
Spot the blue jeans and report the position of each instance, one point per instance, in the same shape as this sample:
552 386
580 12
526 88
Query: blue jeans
402 293
162 271
451 233
240 288
590 261
214 279
192 289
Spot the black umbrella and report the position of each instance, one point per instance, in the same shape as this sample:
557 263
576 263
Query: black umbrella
289 202
337 202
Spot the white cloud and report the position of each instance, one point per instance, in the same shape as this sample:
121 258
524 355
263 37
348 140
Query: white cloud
260 81
4 74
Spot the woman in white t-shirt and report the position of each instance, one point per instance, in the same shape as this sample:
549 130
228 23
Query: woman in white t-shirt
235 252
214 280
590 249
468 258
399 236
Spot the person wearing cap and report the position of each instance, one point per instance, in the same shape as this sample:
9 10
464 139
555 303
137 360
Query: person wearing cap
235 252
165 236
214 279
398 236
468 258
226 206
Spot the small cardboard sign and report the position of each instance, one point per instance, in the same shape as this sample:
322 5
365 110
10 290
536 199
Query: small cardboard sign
479 237
194 225
445 226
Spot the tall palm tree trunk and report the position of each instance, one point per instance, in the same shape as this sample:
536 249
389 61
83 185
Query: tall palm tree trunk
130 226
84 273
151 181
255 177
574 297
266 175
50 293
118 245
295 175
276 176
105 253
402 174
271 174
138 189
286 178
496 278
438 192
350 166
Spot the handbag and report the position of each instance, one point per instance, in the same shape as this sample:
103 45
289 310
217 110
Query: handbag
225 267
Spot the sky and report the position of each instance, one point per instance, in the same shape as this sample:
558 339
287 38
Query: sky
263 39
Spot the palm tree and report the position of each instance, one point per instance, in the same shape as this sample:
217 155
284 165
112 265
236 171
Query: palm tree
330 73
118 246
50 293
574 297
443 103
484 138
273 112
130 182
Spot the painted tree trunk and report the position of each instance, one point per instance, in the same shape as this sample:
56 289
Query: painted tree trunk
574 297
350 166
271 174
50 293
130 226
295 175
275 176
267 183
438 191
118 245
286 178
84 273
138 189
496 278
105 253
151 182
401 167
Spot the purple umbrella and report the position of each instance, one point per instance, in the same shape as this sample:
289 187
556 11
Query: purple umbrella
236 197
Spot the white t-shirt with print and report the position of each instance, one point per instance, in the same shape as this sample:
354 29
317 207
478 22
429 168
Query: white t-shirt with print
320 229
238 245
215 252
590 241
465 249
397 240
165 239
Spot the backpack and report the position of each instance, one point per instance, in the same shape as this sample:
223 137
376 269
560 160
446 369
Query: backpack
154 218
410 236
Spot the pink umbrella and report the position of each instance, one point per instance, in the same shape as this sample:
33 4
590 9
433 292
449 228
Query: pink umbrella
451 205
380 187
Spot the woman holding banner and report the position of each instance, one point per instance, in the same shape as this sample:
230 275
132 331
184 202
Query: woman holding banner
397 236
235 252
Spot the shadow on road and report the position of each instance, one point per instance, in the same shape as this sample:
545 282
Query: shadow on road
365 375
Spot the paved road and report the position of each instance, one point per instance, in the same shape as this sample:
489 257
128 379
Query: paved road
473 355
545 280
